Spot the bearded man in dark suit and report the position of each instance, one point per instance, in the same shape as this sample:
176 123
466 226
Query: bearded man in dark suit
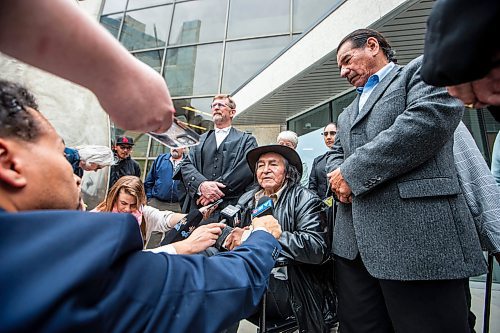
216 168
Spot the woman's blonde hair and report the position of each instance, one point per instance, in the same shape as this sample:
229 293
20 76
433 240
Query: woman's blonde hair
131 185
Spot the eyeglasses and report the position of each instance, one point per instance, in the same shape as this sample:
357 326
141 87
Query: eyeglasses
332 133
125 147
218 104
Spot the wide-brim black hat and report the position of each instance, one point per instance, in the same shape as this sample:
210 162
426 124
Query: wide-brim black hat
290 154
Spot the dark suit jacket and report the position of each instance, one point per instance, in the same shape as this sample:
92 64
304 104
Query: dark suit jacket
236 174
408 219
65 271
317 178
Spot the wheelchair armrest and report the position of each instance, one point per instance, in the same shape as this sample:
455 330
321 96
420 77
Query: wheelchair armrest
282 261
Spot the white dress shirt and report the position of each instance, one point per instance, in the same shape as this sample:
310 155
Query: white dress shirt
221 134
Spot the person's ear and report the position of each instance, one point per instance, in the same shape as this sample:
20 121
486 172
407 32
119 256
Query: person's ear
373 45
10 165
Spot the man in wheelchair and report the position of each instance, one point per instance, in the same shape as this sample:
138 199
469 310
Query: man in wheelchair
303 289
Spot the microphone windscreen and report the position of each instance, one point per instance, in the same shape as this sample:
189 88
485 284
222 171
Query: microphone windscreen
265 206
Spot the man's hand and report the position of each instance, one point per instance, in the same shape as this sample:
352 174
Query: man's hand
207 211
234 239
480 93
269 223
339 186
210 192
200 239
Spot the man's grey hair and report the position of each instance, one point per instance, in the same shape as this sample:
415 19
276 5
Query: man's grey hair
289 136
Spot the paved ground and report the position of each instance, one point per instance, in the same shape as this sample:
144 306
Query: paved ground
477 291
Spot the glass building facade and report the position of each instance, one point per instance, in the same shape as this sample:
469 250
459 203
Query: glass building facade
204 47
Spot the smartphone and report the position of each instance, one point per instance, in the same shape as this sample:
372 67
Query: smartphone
177 136
214 203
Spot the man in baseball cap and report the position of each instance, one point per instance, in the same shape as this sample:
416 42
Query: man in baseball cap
126 165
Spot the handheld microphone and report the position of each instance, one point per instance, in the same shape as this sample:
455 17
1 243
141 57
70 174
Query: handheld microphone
265 206
233 214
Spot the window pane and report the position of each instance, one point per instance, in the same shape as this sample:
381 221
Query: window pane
140 141
157 149
112 23
198 21
193 70
340 103
151 58
196 112
146 28
114 6
135 4
258 17
313 120
307 12
245 58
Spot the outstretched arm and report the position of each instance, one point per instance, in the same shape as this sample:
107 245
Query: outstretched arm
56 36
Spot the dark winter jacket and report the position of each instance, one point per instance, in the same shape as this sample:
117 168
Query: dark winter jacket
304 240
125 167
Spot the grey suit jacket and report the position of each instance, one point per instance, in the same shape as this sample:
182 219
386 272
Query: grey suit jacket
408 219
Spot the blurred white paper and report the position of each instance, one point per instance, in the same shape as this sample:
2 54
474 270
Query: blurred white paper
177 136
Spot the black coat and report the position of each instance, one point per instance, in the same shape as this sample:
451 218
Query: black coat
305 242
461 41
317 179
125 167
236 174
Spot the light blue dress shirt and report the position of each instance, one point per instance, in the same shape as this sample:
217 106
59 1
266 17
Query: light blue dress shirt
372 82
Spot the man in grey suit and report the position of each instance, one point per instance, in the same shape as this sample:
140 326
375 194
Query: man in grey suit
403 240
217 168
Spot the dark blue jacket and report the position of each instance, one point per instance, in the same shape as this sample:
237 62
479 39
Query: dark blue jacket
159 183
68 271
74 159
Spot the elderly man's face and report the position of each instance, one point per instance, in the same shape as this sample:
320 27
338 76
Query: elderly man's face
177 153
287 143
270 172
357 64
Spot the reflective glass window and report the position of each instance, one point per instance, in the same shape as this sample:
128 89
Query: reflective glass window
113 6
198 21
146 28
313 120
135 4
244 58
340 103
307 12
112 23
258 18
196 112
193 70
157 149
151 58
140 141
